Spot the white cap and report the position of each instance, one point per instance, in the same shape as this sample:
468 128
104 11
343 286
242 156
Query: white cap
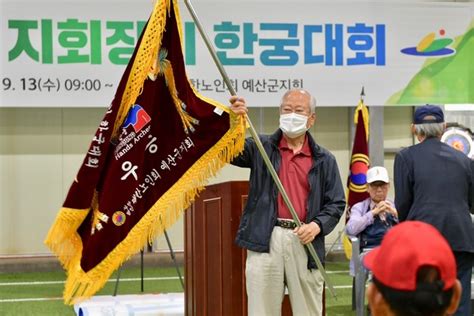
377 174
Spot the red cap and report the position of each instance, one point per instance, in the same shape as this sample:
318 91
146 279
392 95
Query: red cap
407 247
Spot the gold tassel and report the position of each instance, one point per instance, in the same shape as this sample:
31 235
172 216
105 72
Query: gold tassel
365 117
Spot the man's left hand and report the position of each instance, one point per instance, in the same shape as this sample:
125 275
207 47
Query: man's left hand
307 232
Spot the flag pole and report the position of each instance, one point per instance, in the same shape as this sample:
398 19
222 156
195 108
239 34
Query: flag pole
254 135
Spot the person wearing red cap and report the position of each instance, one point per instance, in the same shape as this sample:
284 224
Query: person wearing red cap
434 183
414 273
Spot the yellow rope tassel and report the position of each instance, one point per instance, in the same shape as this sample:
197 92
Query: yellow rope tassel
186 119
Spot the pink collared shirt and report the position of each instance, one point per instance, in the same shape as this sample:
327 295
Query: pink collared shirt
293 173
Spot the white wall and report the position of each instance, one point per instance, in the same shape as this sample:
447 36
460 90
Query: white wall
40 153
42 149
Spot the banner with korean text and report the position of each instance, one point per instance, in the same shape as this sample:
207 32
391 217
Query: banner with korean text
157 145
67 53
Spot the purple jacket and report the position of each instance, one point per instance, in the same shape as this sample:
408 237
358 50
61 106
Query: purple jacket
360 217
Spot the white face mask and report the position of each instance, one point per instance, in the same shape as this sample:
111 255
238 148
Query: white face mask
293 125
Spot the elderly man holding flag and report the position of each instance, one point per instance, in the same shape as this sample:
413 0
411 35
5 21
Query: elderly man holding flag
275 245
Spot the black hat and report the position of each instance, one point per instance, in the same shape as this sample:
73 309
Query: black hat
428 114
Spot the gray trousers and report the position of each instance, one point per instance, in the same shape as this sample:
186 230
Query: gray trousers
286 264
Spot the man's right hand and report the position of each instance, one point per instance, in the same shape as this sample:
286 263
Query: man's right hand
238 105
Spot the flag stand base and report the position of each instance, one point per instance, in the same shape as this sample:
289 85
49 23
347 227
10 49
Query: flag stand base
142 285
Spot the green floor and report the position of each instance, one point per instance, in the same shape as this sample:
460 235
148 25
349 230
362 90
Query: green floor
46 288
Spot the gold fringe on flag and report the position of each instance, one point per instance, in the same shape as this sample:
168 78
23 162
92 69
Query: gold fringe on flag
144 60
365 117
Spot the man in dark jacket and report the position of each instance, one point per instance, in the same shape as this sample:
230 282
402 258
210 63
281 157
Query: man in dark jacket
434 184
276 255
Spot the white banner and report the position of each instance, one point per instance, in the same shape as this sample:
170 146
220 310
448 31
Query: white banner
72 53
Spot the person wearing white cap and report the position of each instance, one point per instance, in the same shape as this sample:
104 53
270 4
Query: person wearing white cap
371 218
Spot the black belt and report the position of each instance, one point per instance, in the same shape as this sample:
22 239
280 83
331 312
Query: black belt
286 224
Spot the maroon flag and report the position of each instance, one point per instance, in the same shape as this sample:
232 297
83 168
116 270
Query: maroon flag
357 180
154 150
